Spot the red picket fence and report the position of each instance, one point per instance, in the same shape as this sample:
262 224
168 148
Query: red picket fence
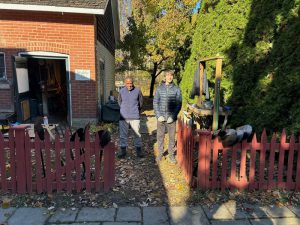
30 165
248 165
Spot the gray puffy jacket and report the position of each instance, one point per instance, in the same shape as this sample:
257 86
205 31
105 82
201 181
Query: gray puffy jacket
167 101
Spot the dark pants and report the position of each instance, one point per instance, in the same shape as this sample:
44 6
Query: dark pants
161 128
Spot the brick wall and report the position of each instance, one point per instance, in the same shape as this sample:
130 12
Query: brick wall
71 34
5 100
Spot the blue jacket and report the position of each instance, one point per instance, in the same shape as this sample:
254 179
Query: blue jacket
130 103
167 101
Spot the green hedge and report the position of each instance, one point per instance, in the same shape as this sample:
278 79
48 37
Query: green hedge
261 69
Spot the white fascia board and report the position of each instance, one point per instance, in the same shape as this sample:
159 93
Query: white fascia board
45 8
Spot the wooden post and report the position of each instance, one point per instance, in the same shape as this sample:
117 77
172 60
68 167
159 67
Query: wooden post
109 165
201 72
217 94
20 158
203 159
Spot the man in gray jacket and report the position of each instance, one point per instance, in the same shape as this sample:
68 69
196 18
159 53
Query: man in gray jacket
167 104
131 101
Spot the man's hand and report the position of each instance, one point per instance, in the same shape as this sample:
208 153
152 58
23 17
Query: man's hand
170 120
161 119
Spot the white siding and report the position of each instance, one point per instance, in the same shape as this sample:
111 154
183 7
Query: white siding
109 68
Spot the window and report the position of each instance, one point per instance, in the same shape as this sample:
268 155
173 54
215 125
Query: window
2 66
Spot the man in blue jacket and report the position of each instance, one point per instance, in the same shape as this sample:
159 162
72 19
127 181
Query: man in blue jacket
167 104
131 101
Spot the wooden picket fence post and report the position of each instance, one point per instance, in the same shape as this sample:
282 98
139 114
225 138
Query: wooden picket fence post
32 165
254 165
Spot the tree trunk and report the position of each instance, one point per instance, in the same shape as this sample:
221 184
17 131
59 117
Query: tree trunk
153 77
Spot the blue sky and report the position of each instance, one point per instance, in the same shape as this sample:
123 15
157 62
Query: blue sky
197 7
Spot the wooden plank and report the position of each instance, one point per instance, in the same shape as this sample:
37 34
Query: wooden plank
262 159
201 161
297 188
207 161
252 163
58 165
27 152
12 160
77 164
179 154
39 167
3 178
290 185
191 158
211 58
273 147
68 165
188 159
233 176
97 163
87 161
48 162
215 163
224 170
281 183
201 72
243 165
20 156
217 94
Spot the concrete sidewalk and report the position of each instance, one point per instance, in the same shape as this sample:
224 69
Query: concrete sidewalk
226 214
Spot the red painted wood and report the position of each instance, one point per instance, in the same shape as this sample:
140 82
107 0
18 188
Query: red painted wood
192 156
58 165
77 164
185 151
233 175
273 148
262 159
290 184
215 164
27 152
201 160
252 163
20 156
281 183
243 165
188 153
68 166
3 177
12 160
97 163
207 161
87 161
38 164
108 165
179 143
297 188
48 162
224 170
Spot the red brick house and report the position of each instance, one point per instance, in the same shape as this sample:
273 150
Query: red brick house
57 57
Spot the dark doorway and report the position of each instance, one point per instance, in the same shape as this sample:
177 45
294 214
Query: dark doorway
48 89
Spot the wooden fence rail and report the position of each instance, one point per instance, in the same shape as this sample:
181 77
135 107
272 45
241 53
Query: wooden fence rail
30 165
248 165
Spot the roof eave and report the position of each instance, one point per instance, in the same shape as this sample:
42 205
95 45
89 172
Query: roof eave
44 8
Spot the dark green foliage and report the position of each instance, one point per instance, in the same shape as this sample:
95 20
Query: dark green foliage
260 41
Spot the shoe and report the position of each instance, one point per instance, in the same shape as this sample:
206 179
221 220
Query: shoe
172 159
139 152
158 158
122 153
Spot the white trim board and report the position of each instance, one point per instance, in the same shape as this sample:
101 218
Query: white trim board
44 8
